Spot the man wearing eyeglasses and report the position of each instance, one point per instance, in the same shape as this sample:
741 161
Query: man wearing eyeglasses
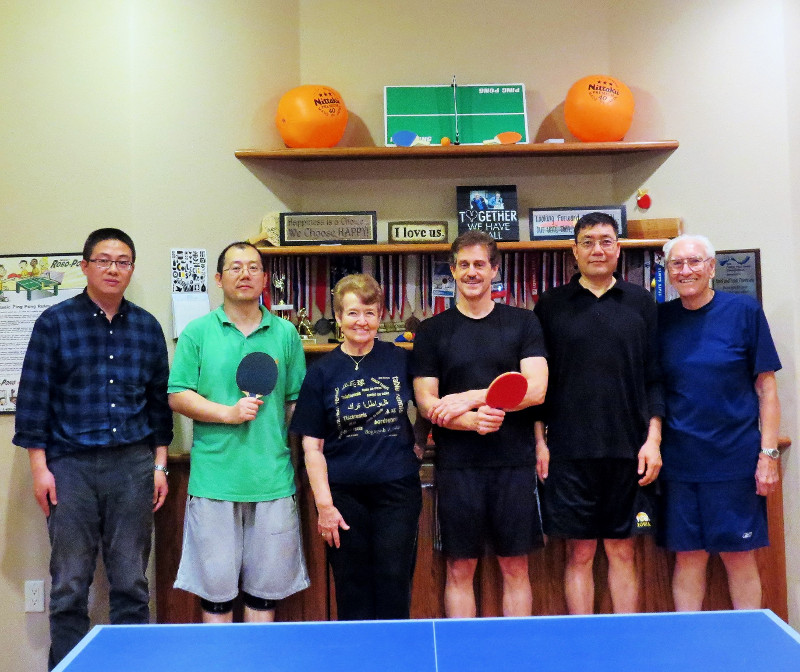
721 455
92 411
598 440
242 527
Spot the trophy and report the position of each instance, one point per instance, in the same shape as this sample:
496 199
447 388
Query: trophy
279 283
304 327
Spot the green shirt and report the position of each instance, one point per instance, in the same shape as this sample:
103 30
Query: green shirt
249 462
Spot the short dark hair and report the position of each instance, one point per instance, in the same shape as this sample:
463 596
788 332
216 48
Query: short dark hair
593 219
474 237
239 245
108 233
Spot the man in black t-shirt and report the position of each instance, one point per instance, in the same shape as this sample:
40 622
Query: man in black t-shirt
603 416
486 478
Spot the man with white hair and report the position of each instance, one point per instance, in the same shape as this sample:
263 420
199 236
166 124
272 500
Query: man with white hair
720 431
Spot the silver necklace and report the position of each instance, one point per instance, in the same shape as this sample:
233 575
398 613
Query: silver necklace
355 361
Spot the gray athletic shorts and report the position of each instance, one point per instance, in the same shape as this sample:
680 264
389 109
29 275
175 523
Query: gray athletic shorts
253 545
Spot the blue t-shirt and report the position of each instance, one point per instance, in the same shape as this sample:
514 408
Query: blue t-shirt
362 415
710 359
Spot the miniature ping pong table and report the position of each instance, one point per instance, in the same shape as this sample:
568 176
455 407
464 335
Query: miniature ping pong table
32 284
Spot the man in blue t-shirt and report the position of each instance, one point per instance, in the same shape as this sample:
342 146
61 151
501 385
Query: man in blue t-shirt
720 432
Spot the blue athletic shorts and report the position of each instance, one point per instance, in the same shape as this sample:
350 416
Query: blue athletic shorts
727 516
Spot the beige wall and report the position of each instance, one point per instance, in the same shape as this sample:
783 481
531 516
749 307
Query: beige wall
125 114
784 267
128 114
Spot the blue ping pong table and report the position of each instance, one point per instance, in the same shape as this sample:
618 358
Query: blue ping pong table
730 641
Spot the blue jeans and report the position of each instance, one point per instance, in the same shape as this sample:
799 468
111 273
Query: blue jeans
374 566
104 503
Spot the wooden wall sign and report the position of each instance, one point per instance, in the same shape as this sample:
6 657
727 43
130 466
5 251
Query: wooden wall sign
328 228
417 232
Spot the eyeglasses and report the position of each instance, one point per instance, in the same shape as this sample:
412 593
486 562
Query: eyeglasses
238 269
589 243
105 264
694 264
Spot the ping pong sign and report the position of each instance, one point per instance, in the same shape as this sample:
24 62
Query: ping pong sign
429 112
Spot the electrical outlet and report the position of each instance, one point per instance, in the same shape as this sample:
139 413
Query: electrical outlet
34 595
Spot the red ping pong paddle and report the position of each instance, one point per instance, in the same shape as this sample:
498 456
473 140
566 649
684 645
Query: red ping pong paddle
257 374
507 390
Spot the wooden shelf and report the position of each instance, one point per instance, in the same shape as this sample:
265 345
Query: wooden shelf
541 149
433 248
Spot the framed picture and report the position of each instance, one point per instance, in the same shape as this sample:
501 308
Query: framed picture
559 223
469 114
739 272
329 228
488 208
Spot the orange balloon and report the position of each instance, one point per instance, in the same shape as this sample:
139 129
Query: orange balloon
599 108
312 115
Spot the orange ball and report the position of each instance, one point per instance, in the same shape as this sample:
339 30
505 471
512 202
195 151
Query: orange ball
599 108
445 141
312 115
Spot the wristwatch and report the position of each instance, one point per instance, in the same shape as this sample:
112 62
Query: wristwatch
158 467
774 453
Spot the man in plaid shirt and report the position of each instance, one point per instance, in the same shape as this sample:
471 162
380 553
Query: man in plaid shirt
92 411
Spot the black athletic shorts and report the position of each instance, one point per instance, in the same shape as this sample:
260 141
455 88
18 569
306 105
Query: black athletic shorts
488 509
597 499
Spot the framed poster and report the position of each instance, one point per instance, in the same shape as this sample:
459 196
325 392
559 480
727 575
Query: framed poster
559 223
739 272
29 284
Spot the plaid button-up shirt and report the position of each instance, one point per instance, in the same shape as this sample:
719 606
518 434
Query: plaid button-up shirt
89 383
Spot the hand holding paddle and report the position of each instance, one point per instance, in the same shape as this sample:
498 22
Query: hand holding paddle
505 392
256 376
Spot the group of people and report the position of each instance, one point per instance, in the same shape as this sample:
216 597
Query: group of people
614 382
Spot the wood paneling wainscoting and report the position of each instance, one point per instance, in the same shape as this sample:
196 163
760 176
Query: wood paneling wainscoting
654 567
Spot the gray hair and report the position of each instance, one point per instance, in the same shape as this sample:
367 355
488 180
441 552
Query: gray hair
702 240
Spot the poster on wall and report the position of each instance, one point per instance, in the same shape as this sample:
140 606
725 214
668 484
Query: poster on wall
29 284
189 268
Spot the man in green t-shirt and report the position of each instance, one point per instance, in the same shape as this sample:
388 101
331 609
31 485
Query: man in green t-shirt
242 525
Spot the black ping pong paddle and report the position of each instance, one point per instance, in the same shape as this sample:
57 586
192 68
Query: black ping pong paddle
257 374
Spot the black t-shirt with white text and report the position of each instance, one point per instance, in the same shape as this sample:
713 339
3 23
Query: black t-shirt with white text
362 415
